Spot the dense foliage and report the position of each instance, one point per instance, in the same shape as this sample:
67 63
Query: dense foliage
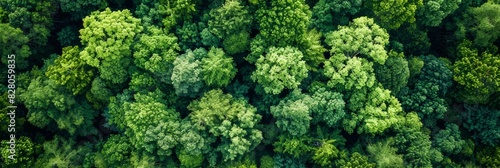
250 83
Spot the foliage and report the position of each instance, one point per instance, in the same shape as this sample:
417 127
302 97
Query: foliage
372 112
346 41
356 160
416 147
156 51
281 68
349 73
283 22
327 14
25 152
70 71
330 107
217 68
448 141
229 19
434 11
257 83
49 103
489 157
187 75
486 23
150 124
426 97
394 74
477 74
115 151
13 41
107 36
392 14
483 122
293 113
266 162
81 8
384 154
232 120
61 152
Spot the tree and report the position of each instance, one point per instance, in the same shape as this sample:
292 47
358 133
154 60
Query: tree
372 111
448 141
330 107
483 122
156 52
293 113
326 15
49 103
81 8
486 23
187 74
356 160
61 152
281 68
176 11
217 68
14 42
70 71
349 73
432 12
415 145
283 22
325 153
426 96
115 152
34 18
232 120
150 124
346 41
189 35
384 154
392 14
393 75
25 149
107 37
229 19
477 74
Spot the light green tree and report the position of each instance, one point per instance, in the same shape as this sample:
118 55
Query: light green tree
70 71
281 68
107 36
217 68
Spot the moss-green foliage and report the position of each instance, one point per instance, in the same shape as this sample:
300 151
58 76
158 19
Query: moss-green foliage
384 154
218 69
392 14
25 152
107 36
281 68
230 119
394 73
477 74
61 152
251 83
70 71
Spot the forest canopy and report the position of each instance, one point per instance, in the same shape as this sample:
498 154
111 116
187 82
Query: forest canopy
250 83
